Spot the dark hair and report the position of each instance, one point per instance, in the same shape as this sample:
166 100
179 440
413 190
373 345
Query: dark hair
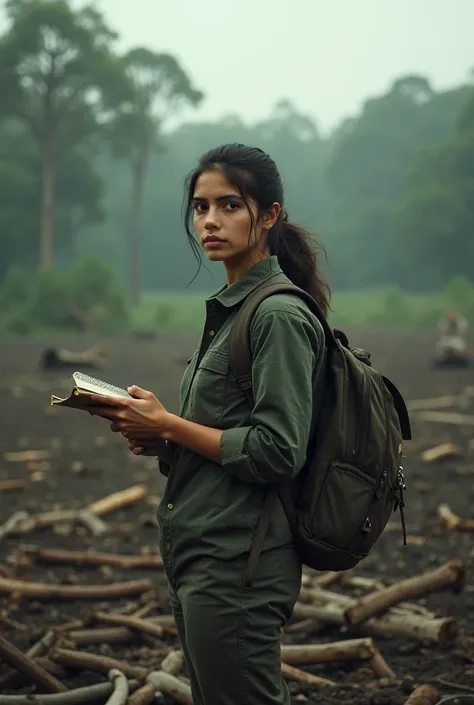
255 174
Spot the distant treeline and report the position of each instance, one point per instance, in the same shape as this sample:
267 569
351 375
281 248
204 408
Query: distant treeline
86 168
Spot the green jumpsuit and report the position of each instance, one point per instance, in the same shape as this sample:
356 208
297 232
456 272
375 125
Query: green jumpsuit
230 632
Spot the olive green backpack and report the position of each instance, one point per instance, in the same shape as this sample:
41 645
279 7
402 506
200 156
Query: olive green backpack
353 478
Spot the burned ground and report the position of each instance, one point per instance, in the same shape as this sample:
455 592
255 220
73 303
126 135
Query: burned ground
85 462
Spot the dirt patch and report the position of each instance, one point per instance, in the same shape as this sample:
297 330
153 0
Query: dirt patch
86 462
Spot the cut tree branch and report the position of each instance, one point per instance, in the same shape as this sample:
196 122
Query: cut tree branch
44 591
142 625
453 522
90 558
296 674
100 664
170 685
79 696
328 607
29 668
351 650
450 575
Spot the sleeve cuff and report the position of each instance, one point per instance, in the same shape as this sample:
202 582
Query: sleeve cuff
234 456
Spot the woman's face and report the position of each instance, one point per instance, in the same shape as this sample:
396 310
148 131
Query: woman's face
223 223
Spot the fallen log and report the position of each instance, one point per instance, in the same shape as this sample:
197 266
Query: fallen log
78 696
44 591
60 358
360 581
7 485
171 686
108 635
99 664
143 696
350 650
147 694
54 669
441 452
86 515
453 522
423 695
446 417
12 524
92 558
450 575
29 668
443 402
118 500
47 519
326 579
119 695
135 623
40 648
173 662
27 456
116 635
295 674
96 526
441 631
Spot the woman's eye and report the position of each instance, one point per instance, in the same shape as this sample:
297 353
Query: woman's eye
231 205
199 207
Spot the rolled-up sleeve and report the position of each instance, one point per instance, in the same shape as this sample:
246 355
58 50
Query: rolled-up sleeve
286 346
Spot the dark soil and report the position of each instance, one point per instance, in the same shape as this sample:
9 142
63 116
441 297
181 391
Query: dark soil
88 462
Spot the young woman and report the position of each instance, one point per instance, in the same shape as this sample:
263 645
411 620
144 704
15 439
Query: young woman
221 456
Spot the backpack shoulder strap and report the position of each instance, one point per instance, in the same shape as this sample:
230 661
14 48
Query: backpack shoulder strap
240 353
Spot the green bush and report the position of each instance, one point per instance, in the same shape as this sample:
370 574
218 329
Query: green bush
85 297
15 290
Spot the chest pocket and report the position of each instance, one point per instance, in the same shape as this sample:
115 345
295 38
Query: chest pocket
207 396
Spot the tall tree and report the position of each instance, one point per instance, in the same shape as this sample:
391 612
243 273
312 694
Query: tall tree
434 222
366 175
161 90
58 75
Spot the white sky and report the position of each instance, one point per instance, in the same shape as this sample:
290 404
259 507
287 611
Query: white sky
327 56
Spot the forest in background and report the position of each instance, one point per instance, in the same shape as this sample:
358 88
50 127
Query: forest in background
89 167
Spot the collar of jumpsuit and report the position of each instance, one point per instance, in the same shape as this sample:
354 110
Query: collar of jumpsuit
258 274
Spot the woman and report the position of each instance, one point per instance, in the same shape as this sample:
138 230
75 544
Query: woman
221 456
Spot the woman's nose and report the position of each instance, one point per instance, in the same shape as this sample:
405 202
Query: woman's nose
211 220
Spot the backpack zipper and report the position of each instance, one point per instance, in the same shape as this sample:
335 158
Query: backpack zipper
366 527
363 426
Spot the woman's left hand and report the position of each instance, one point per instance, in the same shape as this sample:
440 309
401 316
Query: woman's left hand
144 416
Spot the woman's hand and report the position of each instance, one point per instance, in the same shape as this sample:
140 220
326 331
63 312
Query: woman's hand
151 447
142 418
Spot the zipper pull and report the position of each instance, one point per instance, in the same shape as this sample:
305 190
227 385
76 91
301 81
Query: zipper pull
367 527
401 502
382 482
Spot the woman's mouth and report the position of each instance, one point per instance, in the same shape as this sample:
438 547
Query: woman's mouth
213 242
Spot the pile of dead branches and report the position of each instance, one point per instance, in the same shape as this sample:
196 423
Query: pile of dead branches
381 611
362 608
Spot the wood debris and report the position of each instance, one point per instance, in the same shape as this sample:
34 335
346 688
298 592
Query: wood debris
451 521
441 452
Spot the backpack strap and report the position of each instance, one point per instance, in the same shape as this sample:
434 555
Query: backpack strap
240 352
240 362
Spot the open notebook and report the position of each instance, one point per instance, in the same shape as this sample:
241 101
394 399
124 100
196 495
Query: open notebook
84 386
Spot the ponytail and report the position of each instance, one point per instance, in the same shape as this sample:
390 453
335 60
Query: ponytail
299 259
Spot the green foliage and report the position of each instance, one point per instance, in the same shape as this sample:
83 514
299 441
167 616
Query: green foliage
84 296
390 191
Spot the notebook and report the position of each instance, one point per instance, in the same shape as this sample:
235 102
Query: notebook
84 386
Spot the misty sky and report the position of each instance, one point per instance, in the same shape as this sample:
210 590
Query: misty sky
327 56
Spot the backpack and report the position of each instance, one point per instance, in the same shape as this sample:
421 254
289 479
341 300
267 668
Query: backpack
352 481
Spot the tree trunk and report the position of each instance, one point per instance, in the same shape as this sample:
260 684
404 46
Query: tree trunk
47 202
135 235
